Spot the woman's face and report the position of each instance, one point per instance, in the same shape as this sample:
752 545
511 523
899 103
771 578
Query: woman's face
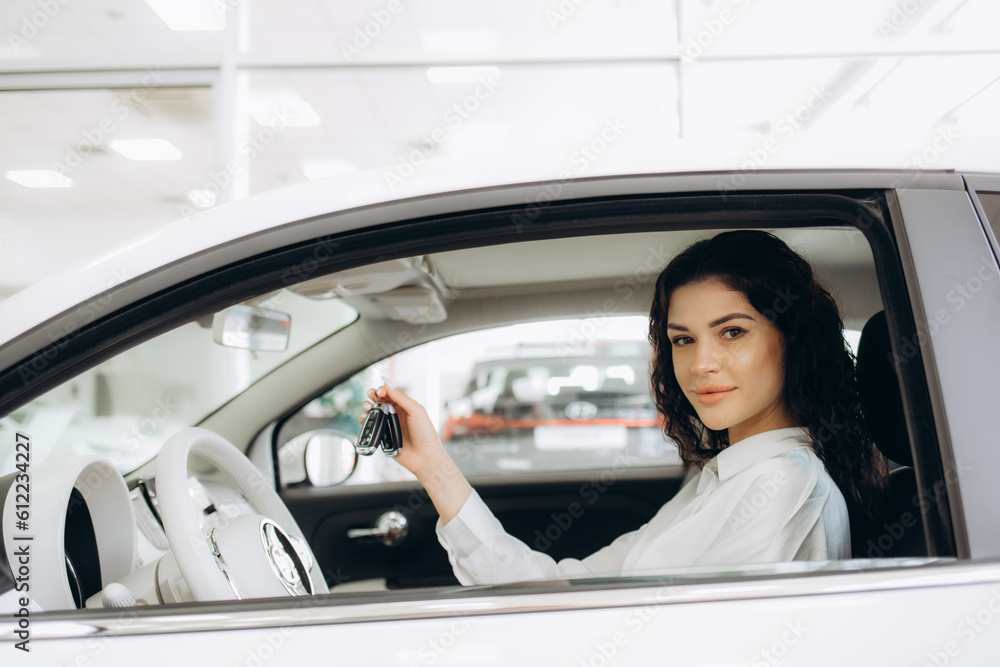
728 359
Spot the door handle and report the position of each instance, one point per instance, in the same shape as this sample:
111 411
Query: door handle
390 529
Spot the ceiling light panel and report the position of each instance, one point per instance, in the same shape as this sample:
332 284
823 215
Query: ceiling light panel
190 15
146 149
39 178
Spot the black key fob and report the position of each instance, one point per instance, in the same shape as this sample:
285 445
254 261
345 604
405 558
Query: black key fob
373 431
392 440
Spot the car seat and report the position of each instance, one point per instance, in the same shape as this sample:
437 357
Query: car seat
901 532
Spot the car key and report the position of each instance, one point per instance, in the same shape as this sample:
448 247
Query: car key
380 430
373 431
392 439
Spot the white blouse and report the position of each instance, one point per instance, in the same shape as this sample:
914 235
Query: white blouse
767 498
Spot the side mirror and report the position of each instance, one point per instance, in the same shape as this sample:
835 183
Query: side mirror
330 458
251 328
322 457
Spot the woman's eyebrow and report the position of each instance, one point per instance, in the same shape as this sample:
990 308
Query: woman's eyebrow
730 316
715 323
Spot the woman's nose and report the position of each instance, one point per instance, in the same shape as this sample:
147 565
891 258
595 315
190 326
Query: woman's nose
706 359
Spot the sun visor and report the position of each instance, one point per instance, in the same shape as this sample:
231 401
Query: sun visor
416 305
371 279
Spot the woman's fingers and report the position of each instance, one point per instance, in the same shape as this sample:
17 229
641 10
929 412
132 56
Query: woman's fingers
421 444
398 398
411 413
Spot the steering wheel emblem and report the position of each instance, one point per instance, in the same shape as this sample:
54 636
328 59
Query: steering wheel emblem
286 568
284 559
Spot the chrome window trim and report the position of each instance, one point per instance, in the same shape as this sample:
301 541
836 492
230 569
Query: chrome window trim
488 601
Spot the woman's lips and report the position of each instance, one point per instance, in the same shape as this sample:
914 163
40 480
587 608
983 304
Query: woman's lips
713 396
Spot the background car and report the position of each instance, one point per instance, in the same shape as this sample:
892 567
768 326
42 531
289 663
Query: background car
544 405
100 378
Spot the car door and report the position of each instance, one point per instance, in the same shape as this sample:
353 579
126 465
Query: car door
865 611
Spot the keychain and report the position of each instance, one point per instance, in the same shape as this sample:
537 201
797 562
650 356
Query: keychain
381 430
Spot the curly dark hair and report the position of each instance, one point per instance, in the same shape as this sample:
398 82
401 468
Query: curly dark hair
820 387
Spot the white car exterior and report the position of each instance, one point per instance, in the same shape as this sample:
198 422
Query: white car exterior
937 611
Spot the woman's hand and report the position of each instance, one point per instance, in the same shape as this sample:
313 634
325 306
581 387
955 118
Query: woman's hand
422 452
421 448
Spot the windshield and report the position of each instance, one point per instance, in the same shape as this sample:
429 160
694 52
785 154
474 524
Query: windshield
125 408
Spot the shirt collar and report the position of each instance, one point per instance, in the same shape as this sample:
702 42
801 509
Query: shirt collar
760 447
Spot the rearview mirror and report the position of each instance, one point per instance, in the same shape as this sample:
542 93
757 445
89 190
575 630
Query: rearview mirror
251 328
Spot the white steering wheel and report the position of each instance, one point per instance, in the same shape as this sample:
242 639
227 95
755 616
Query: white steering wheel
254 555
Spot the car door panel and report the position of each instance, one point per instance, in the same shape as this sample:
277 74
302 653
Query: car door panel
957 292
572 516
866 617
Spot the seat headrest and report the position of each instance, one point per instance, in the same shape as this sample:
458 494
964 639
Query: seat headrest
878 385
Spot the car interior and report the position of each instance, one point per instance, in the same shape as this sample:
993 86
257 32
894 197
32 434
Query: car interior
377 536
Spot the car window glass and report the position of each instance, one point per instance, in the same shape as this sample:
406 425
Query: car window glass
547 396
991 206
510 399
126 407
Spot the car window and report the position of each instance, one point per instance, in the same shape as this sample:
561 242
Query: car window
991 207
551 396
545 396
126 407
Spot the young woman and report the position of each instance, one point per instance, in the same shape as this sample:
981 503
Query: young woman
756 384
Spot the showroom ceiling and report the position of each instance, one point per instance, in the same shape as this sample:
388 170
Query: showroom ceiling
351 85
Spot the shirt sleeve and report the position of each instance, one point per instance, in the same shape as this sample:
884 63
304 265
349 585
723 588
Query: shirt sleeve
482 552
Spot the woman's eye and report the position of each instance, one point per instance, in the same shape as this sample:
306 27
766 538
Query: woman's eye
681 340
734 332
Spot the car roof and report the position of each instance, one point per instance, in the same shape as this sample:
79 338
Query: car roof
305 211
